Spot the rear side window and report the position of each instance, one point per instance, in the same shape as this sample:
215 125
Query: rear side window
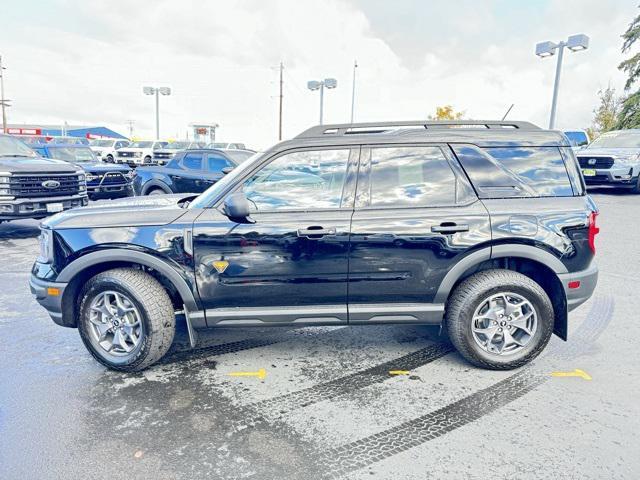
518 171
215 163
542 168
192 161
411 177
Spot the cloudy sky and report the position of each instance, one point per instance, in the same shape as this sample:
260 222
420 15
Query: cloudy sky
85 62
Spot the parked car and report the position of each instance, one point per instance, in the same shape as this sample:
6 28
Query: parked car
240 156
105 148
190 171
103 180
500 244
578 139
139 153
35 187
613 160
163 155
227 145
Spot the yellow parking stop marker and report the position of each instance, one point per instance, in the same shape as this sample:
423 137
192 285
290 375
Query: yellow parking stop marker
399 372
261 374
576 373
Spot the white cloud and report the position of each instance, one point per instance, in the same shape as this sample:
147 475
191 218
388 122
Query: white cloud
89 62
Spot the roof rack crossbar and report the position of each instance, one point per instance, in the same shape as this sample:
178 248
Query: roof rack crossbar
382 127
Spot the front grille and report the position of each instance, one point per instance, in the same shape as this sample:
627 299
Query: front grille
125 154
32 185
600 162
113 178
162 155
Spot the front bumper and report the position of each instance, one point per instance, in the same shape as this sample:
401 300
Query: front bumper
587 279
49 295
615 176
37 207
125 190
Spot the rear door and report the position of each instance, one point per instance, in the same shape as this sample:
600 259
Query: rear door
187 178
415 217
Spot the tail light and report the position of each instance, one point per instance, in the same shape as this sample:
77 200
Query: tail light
593 231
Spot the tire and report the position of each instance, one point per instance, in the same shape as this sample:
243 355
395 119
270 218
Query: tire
472 295
153 310
110 158
147 160
636 188
156 191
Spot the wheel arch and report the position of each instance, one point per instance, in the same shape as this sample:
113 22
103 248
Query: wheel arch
151 184
77 273
537 264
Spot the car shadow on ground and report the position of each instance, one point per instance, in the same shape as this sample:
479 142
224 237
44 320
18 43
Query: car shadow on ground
19 230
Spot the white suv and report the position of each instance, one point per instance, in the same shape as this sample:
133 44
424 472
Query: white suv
139 153
105 149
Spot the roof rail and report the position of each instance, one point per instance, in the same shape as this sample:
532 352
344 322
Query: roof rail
369 128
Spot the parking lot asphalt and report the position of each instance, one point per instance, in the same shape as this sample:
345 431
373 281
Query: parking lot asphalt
326 406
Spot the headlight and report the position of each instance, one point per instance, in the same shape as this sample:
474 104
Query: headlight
82 188
626 159
4 178
81 177
46 246
91 177
137 154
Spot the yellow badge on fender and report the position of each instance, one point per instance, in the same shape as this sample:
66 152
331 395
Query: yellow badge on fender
220 265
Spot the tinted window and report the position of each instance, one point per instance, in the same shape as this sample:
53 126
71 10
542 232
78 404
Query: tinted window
192 161
411 176
300 181
577 139
215 162
541 168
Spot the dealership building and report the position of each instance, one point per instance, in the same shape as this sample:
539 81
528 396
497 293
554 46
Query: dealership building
62 131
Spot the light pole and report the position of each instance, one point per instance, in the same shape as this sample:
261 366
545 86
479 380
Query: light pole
353 90
4 102
157 91
575 43
320 85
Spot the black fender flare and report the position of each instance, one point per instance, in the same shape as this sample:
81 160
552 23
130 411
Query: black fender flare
155 184
132 256
488 253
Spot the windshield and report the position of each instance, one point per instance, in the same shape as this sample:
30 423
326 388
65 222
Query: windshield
178 145
72 154
101 143
12 147
207 197
620 139
577 138
141 145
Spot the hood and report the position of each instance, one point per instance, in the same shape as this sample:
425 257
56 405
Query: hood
624 152
103 167
35 165
126 212
132 149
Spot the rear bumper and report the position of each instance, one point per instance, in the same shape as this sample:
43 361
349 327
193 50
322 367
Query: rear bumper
37 207
576 296
49 295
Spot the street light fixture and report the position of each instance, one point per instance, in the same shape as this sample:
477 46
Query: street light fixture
575 43
320 85
157 91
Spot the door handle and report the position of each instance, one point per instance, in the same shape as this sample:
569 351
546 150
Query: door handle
450 227
316 232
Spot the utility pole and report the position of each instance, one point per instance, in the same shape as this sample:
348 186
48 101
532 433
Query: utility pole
3 101
353 89
130 124
280 103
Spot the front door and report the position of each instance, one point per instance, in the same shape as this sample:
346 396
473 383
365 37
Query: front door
188 177
291 265
415 217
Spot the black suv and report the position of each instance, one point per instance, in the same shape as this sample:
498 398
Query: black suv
482 227
34 187
189 171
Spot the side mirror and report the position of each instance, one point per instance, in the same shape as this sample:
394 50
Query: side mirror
226 170
238 208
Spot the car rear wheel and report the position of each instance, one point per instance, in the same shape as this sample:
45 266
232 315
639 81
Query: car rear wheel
499 319
156 191
127 320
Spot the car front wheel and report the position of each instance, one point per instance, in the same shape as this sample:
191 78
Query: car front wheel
127 320
499 319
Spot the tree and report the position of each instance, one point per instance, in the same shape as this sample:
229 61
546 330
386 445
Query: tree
629 116
605 117
446 113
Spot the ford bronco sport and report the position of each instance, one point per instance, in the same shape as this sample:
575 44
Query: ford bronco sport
482 227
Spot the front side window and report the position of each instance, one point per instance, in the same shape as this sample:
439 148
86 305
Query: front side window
192 161
411 177
307 180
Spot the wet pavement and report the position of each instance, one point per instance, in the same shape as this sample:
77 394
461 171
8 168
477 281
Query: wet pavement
327 407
